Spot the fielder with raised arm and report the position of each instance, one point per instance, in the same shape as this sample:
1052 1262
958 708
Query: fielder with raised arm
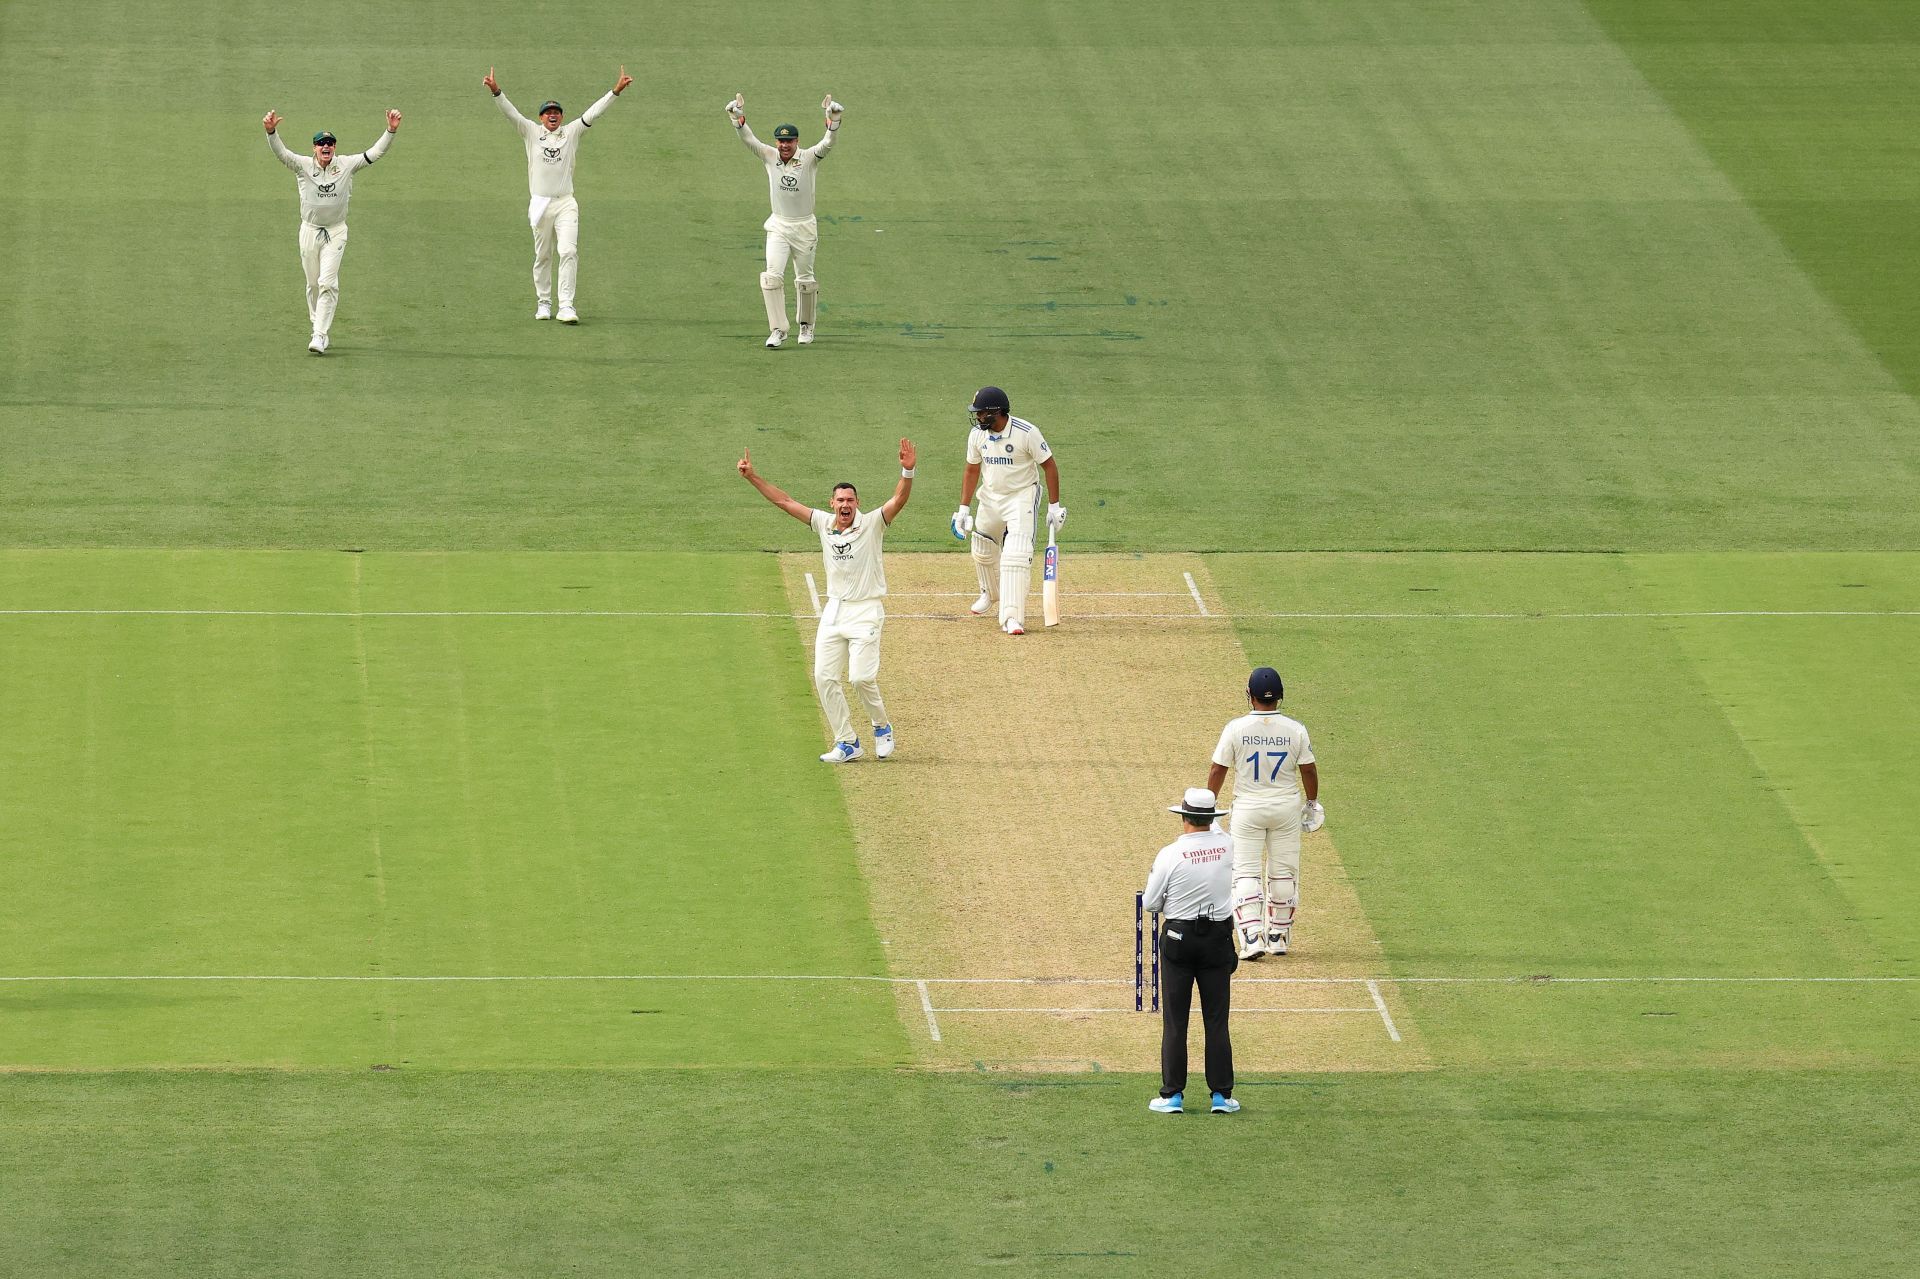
552 211
846 647
1276 789
326 184
1006 456
792 231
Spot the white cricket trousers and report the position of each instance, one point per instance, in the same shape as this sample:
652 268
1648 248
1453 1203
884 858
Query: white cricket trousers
1266 864
321 248
846 650
1003 533
556 232
790 240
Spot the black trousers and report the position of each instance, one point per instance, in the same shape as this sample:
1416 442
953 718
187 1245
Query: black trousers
1196 952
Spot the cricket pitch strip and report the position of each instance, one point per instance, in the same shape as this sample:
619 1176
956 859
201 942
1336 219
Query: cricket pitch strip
1002 845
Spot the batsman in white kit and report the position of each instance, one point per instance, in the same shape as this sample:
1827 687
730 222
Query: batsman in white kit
846 647
326 184
792 231
1276 788
552 211
1006 458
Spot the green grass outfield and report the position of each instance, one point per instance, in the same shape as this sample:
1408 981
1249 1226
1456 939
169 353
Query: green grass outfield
1347 293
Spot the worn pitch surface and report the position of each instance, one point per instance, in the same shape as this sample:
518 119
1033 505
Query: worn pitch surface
1004 842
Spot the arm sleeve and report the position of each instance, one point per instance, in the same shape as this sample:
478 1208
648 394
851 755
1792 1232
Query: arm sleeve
1223 753
1038 443
597 110
973 448
1305 754
1156 894
824 145
377 150
818 520
523 125
754 144
281 153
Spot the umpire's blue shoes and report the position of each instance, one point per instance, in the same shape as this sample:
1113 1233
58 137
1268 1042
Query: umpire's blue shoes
1224 1105
841 753
1166 1105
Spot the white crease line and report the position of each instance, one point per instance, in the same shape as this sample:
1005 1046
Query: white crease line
926 1003
1542 980
1099 595
1195 591
1373 989
813 593
1369 1011
952 617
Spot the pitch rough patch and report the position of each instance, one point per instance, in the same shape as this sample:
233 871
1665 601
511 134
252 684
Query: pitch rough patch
1004 842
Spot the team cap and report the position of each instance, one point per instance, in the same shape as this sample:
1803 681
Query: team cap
1198 803
549 105
323 138
786 133
1264 685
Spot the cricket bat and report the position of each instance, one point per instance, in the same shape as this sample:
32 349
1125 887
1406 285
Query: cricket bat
1050 583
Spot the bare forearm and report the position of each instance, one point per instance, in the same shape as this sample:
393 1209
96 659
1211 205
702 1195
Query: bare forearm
1215 777
1310 782
969 481
1053 480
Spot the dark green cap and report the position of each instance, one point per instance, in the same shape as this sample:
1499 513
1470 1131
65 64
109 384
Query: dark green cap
549 105
324 136
786 133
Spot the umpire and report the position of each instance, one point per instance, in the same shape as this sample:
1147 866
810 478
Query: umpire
1192 888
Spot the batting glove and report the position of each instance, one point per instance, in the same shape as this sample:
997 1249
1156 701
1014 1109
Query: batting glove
1056 516
1312 817
962 524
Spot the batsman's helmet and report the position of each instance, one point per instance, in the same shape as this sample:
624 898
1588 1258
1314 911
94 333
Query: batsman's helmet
1264 685
987 402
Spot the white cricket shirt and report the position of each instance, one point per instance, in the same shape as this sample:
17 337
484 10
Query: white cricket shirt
789 185
551 152
853 556
1192 878
1264 751
1010 462
324 192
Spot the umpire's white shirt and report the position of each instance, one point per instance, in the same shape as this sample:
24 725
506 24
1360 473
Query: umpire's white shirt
551 152
1192 877
1264 751
1010 462
854 573
789 185
324 192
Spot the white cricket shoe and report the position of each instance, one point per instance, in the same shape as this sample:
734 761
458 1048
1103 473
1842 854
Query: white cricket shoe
543 311
806 335
1277 942
842 752
1013 628
882 740
319 344
775 338
1252 950
981 606
569 316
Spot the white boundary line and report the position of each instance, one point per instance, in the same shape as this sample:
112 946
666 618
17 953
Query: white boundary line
926 1004
1194 590
1205 613
1373 989
813 593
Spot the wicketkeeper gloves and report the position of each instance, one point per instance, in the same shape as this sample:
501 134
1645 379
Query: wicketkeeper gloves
737 109
832 108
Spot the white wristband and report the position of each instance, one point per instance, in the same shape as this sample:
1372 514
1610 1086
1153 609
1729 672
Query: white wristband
906 472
